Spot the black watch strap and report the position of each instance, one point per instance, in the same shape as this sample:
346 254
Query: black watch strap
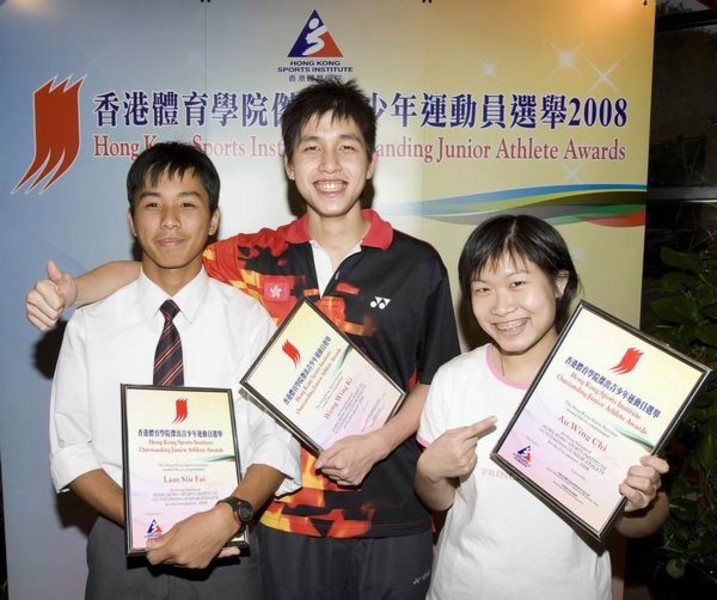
242 509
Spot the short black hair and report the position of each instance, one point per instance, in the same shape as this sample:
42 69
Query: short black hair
172 159
521 237
344 100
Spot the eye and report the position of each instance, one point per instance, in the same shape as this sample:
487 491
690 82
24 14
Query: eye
518 283
480 290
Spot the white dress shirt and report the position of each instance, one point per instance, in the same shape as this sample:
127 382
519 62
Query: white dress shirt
113 342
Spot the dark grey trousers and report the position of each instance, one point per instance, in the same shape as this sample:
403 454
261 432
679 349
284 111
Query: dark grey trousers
113 576
301 567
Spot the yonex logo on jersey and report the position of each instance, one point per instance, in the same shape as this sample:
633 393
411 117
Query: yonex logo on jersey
379 302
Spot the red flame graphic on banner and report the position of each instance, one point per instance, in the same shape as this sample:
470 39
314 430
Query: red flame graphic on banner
57 132
628 361
182 411
291 351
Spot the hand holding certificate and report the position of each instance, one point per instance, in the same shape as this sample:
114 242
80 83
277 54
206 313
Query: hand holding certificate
606 396
315 381
180 457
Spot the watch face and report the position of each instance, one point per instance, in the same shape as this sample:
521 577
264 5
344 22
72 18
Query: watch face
245 512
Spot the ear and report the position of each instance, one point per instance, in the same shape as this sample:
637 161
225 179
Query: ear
372 165
130 222
289 168
561 282
214 222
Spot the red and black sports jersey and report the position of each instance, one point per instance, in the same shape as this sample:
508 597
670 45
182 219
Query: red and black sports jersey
393 300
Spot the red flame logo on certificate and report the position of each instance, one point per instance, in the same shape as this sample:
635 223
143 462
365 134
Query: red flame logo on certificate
628 361
290 350
182 411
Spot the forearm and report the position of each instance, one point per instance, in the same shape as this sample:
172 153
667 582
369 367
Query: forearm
197 540
647 521
104 280
405 422
100 491
437 493
259 484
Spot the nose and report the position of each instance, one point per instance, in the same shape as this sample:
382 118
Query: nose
503 304
330 161
170 217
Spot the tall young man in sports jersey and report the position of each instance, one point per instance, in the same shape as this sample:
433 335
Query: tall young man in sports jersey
356 528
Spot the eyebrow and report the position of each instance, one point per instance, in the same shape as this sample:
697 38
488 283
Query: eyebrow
342 137
153 194
510 274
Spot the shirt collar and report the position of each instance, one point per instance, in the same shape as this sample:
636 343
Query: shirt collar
189 298
380 232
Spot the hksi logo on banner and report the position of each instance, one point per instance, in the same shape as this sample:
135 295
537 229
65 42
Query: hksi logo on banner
57 132
315 41
628 361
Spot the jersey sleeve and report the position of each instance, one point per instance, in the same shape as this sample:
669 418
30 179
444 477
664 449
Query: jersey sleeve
439 337
221 261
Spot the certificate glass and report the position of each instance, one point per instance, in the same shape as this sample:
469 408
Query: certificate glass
606 396
179 457
314 380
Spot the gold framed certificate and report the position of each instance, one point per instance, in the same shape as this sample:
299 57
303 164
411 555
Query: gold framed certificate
607 395
314 380
180 457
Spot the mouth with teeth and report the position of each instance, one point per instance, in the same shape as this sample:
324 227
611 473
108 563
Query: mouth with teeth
330 185
510 327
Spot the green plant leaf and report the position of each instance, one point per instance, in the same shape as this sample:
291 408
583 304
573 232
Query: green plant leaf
706 448
707 299
676 309
708 334
708 310
683 508
674 282
680 260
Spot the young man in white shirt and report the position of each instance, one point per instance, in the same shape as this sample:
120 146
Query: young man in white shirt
173 191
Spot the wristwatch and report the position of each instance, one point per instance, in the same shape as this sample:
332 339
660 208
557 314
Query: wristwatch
242 509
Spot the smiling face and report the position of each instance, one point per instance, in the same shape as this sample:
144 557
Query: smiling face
330 167
172 222
514 302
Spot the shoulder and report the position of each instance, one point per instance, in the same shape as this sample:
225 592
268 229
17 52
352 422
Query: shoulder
117 303
109 316
236 302
468 364
273 239
422 249
416 258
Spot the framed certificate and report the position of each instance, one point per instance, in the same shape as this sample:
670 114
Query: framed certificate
179 457
606 396
313 379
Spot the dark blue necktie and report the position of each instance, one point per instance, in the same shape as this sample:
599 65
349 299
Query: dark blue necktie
168 365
